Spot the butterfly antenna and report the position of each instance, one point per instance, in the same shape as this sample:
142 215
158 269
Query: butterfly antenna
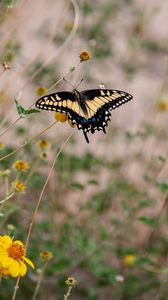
68 82
72 84
79 83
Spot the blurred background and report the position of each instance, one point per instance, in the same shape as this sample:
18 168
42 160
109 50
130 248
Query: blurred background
105 210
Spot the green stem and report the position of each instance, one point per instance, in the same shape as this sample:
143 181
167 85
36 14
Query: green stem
39 281
7 198
27 142
32 170
66 296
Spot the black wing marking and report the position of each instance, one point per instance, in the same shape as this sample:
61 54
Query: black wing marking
104 98
98 103
61 102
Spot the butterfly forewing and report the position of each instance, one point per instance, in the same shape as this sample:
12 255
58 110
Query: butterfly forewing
107 99
60 101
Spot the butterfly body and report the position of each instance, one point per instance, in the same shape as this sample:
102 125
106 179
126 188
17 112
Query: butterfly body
89 110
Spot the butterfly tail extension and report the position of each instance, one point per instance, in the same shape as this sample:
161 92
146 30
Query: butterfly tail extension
86 137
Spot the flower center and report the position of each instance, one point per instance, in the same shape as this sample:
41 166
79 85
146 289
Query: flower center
16 251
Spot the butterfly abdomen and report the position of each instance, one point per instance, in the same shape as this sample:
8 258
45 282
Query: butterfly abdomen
81 101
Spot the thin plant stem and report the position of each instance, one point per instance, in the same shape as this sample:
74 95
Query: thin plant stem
60 50
39 281
7 198
3 202
64 46
38 204
155 231
11 125
27 142
70 71
68 293
6 185
49 39
32 170
44 187
72 68
16 288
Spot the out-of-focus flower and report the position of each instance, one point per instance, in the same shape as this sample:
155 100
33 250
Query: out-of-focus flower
163 105
71 281
46 255
13 257
21 165
119 278
69 26
85 55
60 117
43 144
1 146
19 186
129 259
41 90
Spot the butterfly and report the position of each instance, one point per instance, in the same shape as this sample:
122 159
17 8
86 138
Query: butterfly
89 110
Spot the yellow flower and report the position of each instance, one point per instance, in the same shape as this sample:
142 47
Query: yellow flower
43 155
12 257
41 90
129 259
4 272
163 105
43 144
71 281
1 146
46 255
70 123
21 165
19 186
84 55
60 117
69 26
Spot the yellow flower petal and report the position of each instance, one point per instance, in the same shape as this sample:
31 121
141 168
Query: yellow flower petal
7 261
2 257
14 269
18 242
6 241
60 117
29 262
4 272
23 268
85 55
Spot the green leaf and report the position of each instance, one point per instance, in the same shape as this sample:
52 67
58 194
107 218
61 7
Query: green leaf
93 182
31 111
77 185
23 112
19 108
163 187
146 203
148 221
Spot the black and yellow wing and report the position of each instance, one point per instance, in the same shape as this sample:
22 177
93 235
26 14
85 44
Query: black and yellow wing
89 110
